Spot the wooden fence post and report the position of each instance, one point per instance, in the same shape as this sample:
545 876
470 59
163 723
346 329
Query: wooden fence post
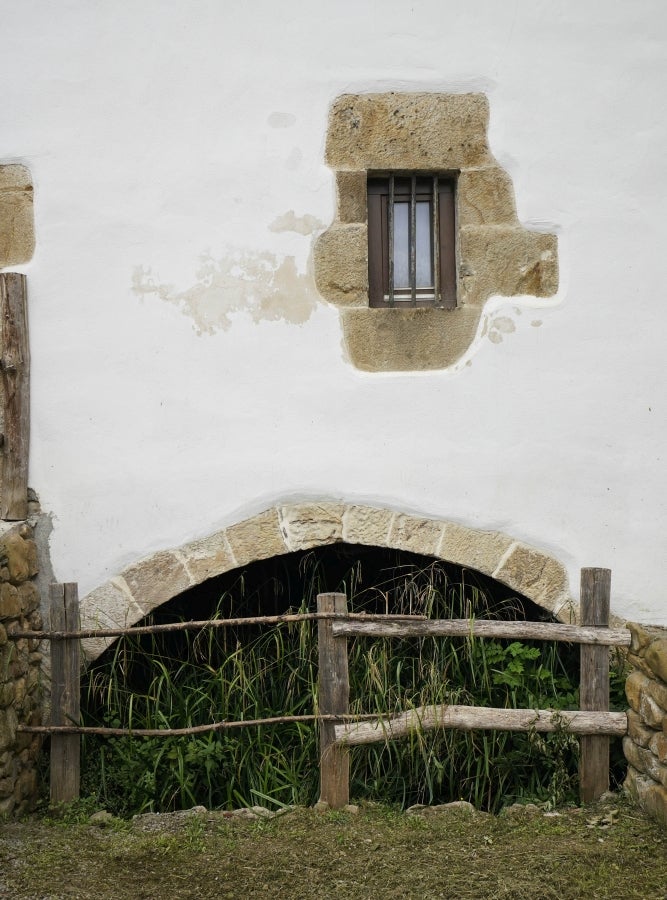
65 694
334 695
15 393
594 684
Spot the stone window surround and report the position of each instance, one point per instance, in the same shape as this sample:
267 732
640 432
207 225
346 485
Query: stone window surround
496 255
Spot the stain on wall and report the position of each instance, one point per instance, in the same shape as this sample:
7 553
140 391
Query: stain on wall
264 286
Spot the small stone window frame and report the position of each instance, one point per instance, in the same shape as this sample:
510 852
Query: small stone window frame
495 255
411 240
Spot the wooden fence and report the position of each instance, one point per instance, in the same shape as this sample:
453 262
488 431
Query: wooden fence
338 729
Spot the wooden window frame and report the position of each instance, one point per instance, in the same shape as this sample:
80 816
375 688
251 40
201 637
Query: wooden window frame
440 191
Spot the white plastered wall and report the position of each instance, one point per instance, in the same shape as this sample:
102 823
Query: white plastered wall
167 404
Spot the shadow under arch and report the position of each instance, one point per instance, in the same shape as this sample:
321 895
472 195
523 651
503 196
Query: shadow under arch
140 588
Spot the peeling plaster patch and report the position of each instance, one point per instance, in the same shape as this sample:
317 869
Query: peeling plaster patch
281 120
261 284
289 221
500 326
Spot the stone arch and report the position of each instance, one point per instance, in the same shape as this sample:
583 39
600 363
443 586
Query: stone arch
137 590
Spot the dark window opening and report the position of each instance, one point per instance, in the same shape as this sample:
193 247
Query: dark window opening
411 241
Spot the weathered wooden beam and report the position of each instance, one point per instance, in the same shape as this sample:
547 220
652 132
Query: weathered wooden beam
333 698
15 380
594 683
536 631
65 694
469 718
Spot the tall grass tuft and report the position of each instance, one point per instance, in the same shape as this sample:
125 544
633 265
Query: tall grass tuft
185 679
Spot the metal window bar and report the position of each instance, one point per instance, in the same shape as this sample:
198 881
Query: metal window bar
390 223
435 243
412 239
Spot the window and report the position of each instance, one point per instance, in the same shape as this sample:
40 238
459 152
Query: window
411 241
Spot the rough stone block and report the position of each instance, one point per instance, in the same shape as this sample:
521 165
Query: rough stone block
656 657
3 635
637 731
635 683
405 340
257 538
340 258
509 261
486 197
658 746
638 662
17 229
644 761
480 550
352 197
208 557
657 691
20 555
156 579
652 714
306 525
366 525
29 597
416 534
10 602
640 638
534 574
439 132
8 726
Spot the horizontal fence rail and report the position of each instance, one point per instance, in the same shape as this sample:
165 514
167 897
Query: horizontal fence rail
534 631
339 730
468 718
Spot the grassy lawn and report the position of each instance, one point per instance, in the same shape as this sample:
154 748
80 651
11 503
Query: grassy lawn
606 850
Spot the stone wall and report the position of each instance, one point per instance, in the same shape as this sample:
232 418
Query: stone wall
645 746
20 668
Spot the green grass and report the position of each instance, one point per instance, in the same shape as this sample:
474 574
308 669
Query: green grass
172 681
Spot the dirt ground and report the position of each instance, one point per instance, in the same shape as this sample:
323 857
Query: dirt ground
606 850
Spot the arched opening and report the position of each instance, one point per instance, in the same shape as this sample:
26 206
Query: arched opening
244 674
136 591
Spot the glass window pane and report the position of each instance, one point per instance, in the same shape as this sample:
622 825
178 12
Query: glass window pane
401 246
424 266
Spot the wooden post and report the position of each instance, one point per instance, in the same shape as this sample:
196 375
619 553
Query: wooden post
594 684
334 697
65 694
15 379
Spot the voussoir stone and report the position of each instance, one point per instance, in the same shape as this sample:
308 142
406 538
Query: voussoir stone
208 557
306 525
257 538
110 605
367 525
156 579
534 574
416 534
480 550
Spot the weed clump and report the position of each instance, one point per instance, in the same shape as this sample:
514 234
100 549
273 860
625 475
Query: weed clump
187 679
